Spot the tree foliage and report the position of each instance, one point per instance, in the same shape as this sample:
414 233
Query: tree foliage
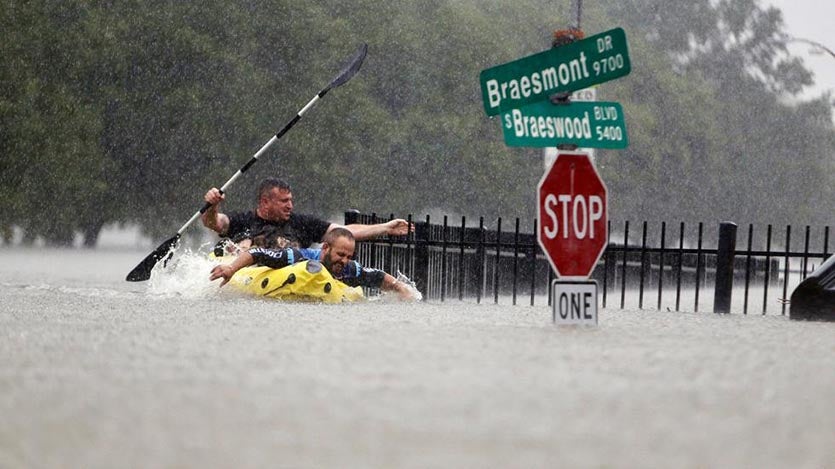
126 112
712 98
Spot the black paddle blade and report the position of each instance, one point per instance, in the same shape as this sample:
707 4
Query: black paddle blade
352 68
142 272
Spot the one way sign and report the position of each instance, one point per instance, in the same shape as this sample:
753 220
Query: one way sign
574 302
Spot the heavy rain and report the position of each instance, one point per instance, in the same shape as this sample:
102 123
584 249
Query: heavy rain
116 118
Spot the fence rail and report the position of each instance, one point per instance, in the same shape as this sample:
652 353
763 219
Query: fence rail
468 261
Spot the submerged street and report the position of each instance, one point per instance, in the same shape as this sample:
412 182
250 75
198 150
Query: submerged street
98 372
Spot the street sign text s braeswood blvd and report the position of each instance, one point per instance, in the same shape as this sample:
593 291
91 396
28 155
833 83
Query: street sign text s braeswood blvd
585 124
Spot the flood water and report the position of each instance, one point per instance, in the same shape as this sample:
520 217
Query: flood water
97 372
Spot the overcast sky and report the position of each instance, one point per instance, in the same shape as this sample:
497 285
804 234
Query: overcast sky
813 20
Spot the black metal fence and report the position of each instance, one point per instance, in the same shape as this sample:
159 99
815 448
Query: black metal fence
658 267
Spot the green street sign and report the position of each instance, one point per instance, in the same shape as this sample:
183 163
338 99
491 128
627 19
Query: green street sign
571 67
586 124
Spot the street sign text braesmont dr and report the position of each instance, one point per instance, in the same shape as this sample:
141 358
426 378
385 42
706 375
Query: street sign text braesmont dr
551 78
571 67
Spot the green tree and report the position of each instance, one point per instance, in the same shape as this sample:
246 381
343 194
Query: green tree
49 151
717 137
154 102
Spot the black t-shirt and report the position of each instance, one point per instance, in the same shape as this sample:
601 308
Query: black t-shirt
298 231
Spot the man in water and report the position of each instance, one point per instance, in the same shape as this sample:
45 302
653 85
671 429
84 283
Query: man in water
274 214
335 255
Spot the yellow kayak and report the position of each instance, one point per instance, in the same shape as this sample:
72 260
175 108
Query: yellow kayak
307 281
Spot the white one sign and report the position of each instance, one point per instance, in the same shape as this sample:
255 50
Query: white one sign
574 302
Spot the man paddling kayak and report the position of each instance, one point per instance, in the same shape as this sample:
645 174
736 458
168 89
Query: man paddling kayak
274 212
335 255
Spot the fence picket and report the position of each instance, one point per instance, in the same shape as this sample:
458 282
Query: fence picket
442 261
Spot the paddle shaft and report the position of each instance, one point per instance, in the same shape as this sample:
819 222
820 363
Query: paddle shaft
255 157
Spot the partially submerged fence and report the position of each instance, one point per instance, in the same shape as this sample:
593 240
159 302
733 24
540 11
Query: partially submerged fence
673 269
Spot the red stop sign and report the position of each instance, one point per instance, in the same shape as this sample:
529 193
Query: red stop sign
572 215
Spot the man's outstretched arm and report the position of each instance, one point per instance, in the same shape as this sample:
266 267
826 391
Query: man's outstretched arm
395 227
356 275
272 258
228 270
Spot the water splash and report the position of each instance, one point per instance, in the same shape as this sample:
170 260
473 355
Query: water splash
186 274
410 285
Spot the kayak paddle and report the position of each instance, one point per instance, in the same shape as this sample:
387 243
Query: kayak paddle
142 271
